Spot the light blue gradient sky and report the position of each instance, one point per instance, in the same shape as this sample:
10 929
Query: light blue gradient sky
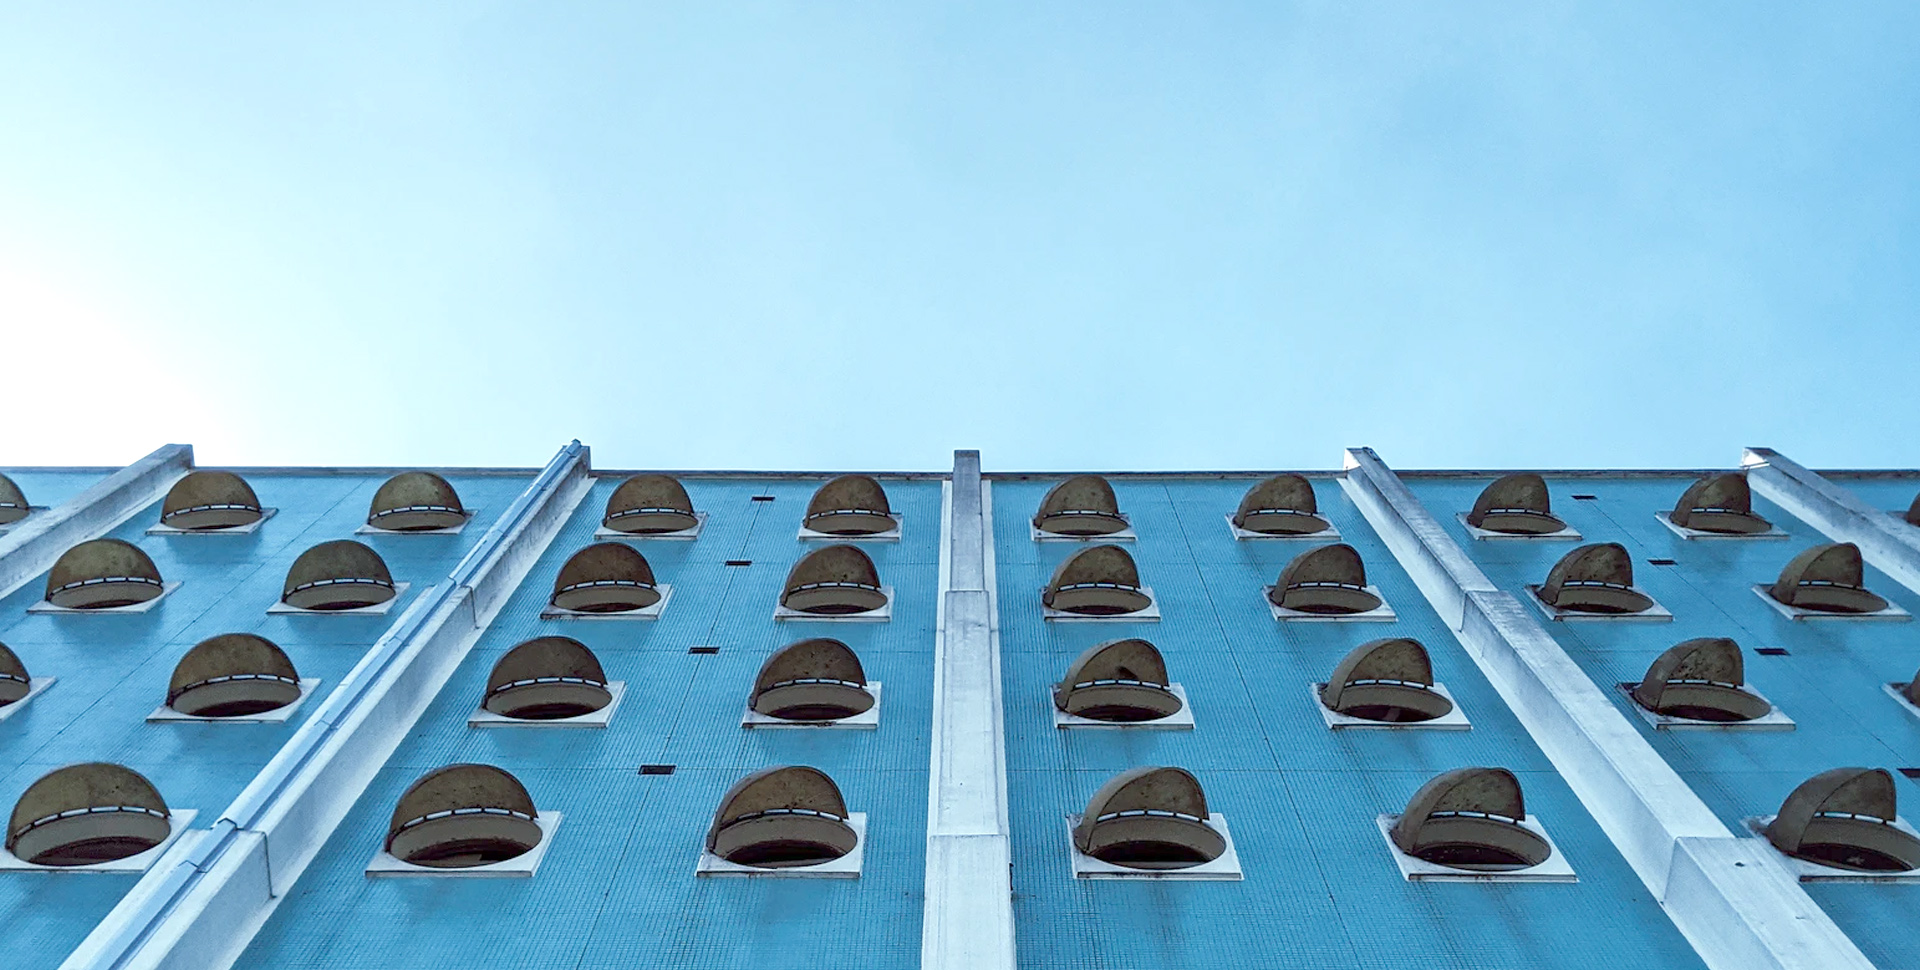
1084 235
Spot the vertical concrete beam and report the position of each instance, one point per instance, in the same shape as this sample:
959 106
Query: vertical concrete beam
968 921
1885 540
30 548
1737 906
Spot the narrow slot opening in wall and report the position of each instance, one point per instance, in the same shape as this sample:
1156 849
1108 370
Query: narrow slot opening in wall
703 650
739 562
763 498
1663 562
1587 498
656 769
1771 651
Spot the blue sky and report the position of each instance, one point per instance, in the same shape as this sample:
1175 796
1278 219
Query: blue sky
1071 235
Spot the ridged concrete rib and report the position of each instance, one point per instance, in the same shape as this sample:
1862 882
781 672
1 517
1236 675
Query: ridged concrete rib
1886 541
29 549
969 900
1730 897
200 905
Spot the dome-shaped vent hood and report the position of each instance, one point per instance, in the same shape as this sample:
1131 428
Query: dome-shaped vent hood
338 575
1702 680
1721 504
650 505
15 682
101 574
1329 580
204 501
1516 505
13 502
416 502
811 680
1827 579
1913 511
1100 581
781 818
1083 505
606 577
88 813
1388 680
851 505
545 679
1283 505
834 581
1149 818
1124 681
1469 818
233 675
1843 818
463 816
1594 579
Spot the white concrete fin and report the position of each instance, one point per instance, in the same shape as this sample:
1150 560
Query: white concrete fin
30 548
1886 542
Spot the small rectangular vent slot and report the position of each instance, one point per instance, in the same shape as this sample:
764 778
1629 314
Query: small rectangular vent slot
703 649
1587 498
763 498
656 769
1771 651
1663 562
739 562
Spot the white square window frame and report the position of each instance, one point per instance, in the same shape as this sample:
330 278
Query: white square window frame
385 865
1896 690
1652 614
369 529
1124 535
1180 720
279 715
162 529
483 718
1415 869
882 614
891 535
1568 534
1329 534
178 821
1454 720
603 534
44 608
1815 872
1150 614
1774 720
1225 868
1893 611
866 720
280 607
845 867
552 612
35 687
1666 519
1379 614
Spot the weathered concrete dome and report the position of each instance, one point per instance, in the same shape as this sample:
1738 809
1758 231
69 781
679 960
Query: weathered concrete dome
1843 818
1827 578
545 679
1123 681
233 675
1388 680
1913 511
649 505
338 575
606 577
1516 504
15 682
779 818
1595 579
1330 580
1700 679
463 816
1283 505
209 500
818 679
87 813
101 574
851 505
1083 505
1469 818
832 581
1719 503
1149 818
13 502
1098 581
416 502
